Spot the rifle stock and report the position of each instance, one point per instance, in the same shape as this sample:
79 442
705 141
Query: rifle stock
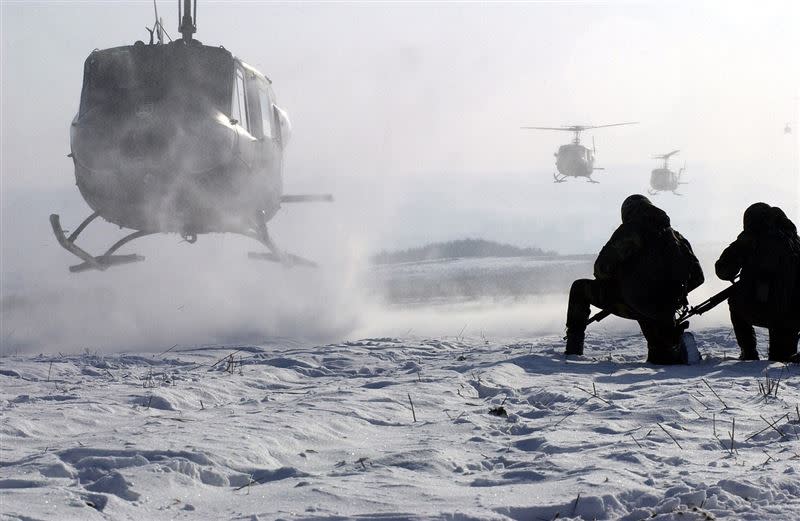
597 317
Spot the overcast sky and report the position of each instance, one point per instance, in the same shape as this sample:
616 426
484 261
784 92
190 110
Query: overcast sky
410 113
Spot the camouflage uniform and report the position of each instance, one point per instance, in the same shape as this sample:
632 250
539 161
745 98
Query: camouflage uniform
764 255
631 283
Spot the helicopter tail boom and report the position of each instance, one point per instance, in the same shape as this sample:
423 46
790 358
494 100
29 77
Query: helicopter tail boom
307 198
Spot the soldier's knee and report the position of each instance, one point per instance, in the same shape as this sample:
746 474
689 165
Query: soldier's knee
580 287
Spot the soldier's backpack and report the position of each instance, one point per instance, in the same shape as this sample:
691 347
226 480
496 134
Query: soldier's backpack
771 278
663 272
675 260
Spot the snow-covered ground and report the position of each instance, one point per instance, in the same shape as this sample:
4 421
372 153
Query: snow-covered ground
287 430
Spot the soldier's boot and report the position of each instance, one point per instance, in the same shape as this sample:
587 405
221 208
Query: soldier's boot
661 356
664 343
666 355
745 337
782 344
574 343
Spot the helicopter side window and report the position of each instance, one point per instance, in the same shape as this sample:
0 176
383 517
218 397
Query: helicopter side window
239 112
266 111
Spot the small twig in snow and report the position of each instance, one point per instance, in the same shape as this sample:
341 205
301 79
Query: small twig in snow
594 394
698 401
715 393
575 506
570 413
167 351
670 435
414 414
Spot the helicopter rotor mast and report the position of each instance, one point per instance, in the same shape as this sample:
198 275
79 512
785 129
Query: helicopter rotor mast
665 158
188 24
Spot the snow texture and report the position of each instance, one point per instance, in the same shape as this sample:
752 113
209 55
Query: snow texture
292 431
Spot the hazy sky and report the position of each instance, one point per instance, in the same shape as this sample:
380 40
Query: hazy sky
410 115
392 103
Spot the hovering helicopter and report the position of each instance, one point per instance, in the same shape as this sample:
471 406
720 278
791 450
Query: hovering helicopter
663 179
574 159
178 137
787 129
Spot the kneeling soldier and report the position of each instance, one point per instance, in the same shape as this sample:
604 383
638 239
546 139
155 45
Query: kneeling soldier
766 257
643 273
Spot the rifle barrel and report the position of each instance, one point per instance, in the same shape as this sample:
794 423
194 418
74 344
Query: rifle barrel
710 303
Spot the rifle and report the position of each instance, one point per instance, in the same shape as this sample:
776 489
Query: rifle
699 309
709 304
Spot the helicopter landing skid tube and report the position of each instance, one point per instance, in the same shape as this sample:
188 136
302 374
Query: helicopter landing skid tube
557 179
90 262
275 254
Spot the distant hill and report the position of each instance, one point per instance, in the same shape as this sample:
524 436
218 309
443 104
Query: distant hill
463 248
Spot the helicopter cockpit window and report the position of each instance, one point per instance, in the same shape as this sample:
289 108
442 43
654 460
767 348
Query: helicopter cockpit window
120 78
239 112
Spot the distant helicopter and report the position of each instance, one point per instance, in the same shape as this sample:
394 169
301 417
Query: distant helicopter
663 179
787 129
574 159
178 137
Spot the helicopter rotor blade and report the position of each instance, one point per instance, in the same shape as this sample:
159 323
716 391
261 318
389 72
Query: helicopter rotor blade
581 128
566 129
610 125
666 156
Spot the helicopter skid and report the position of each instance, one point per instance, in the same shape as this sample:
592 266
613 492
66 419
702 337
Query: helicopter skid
287 259
108 259
274 254
91 262
557 179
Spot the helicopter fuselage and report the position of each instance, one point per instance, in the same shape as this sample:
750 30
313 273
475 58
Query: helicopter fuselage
574 160
664 179
177 137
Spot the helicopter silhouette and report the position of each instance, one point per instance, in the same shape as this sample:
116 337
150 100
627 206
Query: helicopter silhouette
663 179
574 159
178 137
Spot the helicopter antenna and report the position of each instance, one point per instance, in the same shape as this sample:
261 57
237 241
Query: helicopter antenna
157 26
187 27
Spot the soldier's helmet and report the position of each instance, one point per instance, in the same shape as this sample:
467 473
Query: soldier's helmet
632 206
757 218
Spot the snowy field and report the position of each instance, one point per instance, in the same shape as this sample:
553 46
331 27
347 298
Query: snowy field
287 430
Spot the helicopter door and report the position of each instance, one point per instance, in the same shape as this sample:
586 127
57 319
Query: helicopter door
265 104
241 112
263 122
